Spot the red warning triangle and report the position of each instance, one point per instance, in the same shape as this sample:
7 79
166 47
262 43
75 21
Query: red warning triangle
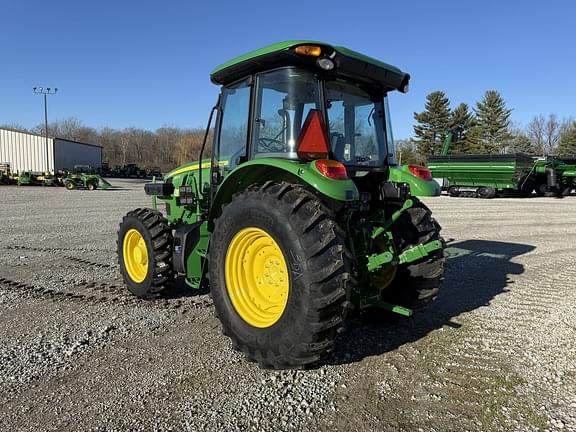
313 140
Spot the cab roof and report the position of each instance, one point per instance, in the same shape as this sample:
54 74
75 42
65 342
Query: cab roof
347 63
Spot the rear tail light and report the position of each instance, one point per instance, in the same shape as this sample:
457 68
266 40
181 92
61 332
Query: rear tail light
420 172
331 169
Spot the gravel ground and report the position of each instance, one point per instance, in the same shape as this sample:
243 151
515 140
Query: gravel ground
495 352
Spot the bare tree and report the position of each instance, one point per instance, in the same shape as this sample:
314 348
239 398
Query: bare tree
188 147
545 132
553 129
124 146
163 148
536 132
14 127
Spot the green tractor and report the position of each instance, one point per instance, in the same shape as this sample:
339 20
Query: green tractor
84 177
36 178
554 176
301 215
24 178
46 179
5 175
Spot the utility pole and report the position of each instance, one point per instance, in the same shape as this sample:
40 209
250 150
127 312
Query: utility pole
46 91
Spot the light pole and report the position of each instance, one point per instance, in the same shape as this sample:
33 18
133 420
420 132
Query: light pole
46 91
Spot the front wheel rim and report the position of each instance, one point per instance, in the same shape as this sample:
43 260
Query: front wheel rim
257 278
135 254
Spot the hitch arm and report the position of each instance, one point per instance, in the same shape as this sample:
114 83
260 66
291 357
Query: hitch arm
395 216
419 251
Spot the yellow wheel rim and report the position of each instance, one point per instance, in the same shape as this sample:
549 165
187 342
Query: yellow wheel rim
257 277
135 255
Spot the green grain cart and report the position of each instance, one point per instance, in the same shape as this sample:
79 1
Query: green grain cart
484 176
490 175
301 215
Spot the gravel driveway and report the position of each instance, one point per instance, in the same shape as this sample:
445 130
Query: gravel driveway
496 352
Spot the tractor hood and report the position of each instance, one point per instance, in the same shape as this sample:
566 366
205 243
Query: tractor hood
345 63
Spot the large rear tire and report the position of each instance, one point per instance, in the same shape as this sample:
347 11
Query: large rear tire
145 252
541 189
486 192
263 234
417 283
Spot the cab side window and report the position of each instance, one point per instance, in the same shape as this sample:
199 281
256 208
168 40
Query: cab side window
233 126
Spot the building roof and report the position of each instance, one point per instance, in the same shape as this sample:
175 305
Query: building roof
51 137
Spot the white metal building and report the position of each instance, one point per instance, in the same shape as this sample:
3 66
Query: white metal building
29 152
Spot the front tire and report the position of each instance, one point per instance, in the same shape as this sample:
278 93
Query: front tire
283 323
145 252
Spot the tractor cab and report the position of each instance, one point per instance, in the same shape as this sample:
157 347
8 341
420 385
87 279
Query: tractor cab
304 100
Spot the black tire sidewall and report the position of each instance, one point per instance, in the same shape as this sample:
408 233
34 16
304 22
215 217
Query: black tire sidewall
260 214
138 289
415 227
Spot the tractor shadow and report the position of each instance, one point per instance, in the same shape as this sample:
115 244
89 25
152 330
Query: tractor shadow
183 291
114 189
476 272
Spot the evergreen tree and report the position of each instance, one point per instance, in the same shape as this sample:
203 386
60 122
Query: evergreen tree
433 124
567 146
475 141
461 121
493 119
520 143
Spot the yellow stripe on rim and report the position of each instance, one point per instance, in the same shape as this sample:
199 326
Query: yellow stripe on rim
257 278
135 255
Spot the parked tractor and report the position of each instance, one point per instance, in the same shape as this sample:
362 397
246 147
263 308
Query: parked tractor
84 177
31 178
554 176
154 172
46 179
104 170
24 178
301 215
85 181
132 170
5 175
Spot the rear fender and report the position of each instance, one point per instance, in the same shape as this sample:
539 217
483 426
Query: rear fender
418 186
259 171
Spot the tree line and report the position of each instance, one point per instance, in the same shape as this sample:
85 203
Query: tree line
166 147
487 128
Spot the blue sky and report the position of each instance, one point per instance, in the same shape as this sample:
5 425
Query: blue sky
147 63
